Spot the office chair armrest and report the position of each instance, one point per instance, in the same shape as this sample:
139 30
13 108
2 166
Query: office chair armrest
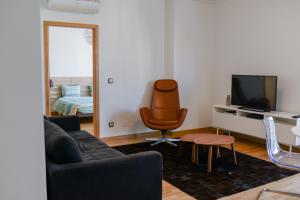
145 113
182 115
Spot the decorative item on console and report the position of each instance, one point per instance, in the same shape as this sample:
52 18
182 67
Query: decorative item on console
228 100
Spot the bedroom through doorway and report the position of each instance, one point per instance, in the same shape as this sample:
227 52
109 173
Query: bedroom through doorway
71 72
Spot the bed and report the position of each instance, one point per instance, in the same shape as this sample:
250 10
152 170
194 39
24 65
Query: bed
80 106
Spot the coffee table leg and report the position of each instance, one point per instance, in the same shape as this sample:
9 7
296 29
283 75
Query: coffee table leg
193 153
218 152
233 153
197 153
209 159
180 149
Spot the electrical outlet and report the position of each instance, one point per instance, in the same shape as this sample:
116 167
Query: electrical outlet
111 124
110 80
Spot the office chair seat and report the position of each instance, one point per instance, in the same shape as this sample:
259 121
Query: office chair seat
163 122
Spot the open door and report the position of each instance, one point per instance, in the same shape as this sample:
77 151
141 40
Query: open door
71 72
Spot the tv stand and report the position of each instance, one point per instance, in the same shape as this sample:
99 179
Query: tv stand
255 116
249 122
252 109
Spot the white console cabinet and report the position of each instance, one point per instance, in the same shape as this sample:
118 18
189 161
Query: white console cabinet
232 118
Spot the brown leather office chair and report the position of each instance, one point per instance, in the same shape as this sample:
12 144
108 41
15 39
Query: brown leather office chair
165 113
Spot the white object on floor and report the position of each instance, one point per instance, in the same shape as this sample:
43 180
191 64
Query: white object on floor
281 158
296 131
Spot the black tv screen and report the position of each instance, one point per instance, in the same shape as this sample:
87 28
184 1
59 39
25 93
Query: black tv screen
254 92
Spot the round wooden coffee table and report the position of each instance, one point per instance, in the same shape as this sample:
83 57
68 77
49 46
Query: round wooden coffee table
211 140
191 138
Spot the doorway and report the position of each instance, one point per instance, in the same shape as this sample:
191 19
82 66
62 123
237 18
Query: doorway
71 72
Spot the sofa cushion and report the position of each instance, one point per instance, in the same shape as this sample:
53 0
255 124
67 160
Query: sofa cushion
82 136
86 146
60 146
87 142
101 154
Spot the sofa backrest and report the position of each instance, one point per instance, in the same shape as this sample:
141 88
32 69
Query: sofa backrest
59 145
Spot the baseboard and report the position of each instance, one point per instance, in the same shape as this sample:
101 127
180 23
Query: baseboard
192 131
245 137
201 130
176 134
158 133
254 139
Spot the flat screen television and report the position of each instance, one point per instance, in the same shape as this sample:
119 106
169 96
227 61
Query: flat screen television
254 92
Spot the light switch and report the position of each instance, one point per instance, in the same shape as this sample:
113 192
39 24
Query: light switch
111 124
110 81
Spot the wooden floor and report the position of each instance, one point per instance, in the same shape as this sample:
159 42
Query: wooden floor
170 192
87 126
288 184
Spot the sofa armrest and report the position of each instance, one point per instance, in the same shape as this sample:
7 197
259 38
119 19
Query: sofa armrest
67 123
135 177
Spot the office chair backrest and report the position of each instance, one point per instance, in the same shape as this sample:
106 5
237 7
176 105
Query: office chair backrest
165 100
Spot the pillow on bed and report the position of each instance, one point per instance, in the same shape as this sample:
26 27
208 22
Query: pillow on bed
91 90
70 90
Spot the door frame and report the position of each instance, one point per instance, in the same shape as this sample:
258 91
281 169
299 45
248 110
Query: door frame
95 28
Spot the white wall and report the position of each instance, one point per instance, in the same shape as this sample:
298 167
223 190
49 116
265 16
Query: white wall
199 43
131 51
22 168
70 52
145 40
259 37
194 31
169 39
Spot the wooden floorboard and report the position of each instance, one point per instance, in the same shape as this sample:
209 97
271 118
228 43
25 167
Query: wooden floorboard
87 126
170 192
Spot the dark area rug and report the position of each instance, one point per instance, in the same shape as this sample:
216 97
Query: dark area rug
225 179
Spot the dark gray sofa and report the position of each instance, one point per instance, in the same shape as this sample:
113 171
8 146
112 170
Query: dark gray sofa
81 167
